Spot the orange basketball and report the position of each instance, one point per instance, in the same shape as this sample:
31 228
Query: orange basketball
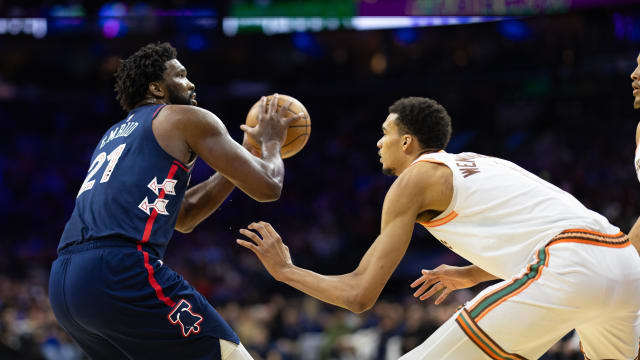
297 133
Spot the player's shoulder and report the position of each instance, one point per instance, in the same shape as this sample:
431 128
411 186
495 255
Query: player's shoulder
426 170
423 175
185 111
427 185
186 117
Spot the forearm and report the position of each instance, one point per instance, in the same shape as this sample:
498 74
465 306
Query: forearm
339 290
479 275
634 235
275 166
202 200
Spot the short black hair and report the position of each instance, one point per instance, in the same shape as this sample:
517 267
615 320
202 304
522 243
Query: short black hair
138 70
424 118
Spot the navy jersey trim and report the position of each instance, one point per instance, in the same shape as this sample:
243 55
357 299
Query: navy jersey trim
176 162
155 113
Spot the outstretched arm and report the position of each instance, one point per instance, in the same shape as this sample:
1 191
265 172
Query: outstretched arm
358 290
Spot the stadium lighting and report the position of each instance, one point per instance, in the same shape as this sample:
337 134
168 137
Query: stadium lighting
231 26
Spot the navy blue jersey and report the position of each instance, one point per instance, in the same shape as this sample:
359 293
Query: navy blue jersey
109 288
133 189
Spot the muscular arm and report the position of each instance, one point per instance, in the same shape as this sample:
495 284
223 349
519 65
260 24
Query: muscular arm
206 135
202 200
358 291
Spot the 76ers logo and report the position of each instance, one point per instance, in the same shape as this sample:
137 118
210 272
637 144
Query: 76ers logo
188 320
167 187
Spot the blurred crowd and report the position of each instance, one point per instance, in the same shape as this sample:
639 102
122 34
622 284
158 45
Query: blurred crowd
281 327
556 100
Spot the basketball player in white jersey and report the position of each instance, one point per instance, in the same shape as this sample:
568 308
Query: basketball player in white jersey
563 266
634 234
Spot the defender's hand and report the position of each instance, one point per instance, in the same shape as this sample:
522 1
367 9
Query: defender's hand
269 248
444 277
272 123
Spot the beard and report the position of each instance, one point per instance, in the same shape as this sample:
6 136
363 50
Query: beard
388 171
176 98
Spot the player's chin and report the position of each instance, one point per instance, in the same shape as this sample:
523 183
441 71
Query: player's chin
194 102
388 171
636 103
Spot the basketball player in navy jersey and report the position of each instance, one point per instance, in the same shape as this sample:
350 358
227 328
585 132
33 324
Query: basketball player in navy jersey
109 288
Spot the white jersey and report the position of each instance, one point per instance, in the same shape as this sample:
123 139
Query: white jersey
500 213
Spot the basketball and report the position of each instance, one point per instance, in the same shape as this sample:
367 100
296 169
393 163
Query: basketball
297 133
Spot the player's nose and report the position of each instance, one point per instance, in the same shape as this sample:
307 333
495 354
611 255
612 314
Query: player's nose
635 74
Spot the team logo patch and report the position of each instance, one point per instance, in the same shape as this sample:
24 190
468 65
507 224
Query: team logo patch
160 205
168 185
188 320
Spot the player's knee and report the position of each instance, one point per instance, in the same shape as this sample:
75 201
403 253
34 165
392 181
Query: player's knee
233 351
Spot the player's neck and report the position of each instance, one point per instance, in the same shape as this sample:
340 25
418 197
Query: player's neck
408 160
427 151
149 101
414 156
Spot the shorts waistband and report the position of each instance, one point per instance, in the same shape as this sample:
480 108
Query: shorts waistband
590 237
103 243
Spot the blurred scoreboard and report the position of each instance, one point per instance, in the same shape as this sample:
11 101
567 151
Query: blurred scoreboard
269 17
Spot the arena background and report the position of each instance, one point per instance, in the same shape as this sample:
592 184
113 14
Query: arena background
542 83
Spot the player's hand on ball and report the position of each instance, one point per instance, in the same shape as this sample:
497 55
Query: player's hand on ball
269 248
247 145
272 122
444 277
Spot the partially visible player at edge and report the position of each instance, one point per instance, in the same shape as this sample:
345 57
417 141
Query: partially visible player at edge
634 234
563 266
109 288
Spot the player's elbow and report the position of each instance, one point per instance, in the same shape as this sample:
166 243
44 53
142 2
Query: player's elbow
271 193
185 223
360 307
183 226
273 196
184 229
361 302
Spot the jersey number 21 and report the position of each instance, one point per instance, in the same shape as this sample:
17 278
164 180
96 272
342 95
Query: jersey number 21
97 163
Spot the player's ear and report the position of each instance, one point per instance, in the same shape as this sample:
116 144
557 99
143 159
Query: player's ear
156 89
406 141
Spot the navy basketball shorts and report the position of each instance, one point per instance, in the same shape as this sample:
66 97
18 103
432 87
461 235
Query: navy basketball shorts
118 301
